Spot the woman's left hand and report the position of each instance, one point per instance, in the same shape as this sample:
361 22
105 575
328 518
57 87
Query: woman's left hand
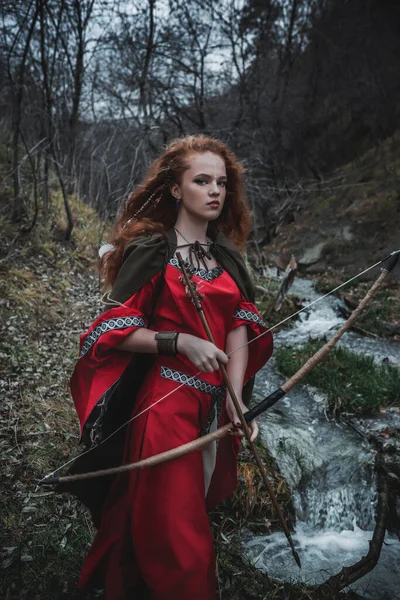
253 427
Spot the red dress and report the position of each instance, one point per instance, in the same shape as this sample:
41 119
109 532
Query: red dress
155 535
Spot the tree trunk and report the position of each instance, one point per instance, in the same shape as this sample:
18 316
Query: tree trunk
18 207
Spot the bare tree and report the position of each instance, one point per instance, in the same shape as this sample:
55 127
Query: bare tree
24 26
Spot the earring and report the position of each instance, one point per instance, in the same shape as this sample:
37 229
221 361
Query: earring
177 202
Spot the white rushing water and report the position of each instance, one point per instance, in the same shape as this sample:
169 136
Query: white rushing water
323 319
328 467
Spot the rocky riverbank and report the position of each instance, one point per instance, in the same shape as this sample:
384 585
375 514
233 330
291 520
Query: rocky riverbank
333 439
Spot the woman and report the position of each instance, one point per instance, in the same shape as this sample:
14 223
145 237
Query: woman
154 539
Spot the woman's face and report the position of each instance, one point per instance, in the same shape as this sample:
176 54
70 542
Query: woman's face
203 187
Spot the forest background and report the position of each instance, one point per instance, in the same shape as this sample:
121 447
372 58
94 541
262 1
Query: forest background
306 92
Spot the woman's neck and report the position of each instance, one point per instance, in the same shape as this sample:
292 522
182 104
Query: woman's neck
191 229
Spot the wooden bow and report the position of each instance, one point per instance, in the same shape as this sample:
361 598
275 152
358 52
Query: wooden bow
261 407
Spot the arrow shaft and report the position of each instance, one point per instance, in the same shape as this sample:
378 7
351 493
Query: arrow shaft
239 411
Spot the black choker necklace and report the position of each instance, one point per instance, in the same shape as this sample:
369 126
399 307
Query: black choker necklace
197 251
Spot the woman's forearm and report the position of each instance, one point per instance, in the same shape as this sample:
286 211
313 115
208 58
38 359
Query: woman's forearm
236 367
140 340
202 353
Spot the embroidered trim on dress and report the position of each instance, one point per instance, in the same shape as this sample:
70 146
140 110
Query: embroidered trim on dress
248 315
201 273
110 325
191 381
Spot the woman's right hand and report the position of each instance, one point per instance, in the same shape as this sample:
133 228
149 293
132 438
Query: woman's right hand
202 353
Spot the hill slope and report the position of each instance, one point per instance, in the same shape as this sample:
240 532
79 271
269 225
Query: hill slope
349 221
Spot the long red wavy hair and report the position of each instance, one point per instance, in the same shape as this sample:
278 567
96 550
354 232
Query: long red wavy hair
234 220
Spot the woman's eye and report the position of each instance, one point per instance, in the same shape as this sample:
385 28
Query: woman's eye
203 181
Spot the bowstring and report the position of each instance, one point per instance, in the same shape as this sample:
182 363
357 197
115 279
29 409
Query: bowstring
119 429
229 354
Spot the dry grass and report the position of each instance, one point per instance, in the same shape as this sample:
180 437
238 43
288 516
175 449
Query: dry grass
250 505
48 297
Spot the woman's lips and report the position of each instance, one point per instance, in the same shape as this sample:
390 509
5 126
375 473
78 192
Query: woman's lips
214 204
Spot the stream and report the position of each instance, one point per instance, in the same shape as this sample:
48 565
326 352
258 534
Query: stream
328 467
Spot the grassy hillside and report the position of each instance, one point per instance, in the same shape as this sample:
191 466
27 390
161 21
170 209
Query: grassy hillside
351 219
49 293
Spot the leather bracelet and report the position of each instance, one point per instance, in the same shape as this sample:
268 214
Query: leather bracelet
167 342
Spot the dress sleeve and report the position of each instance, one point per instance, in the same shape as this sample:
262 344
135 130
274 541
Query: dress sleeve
100 365
260 349
108 330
